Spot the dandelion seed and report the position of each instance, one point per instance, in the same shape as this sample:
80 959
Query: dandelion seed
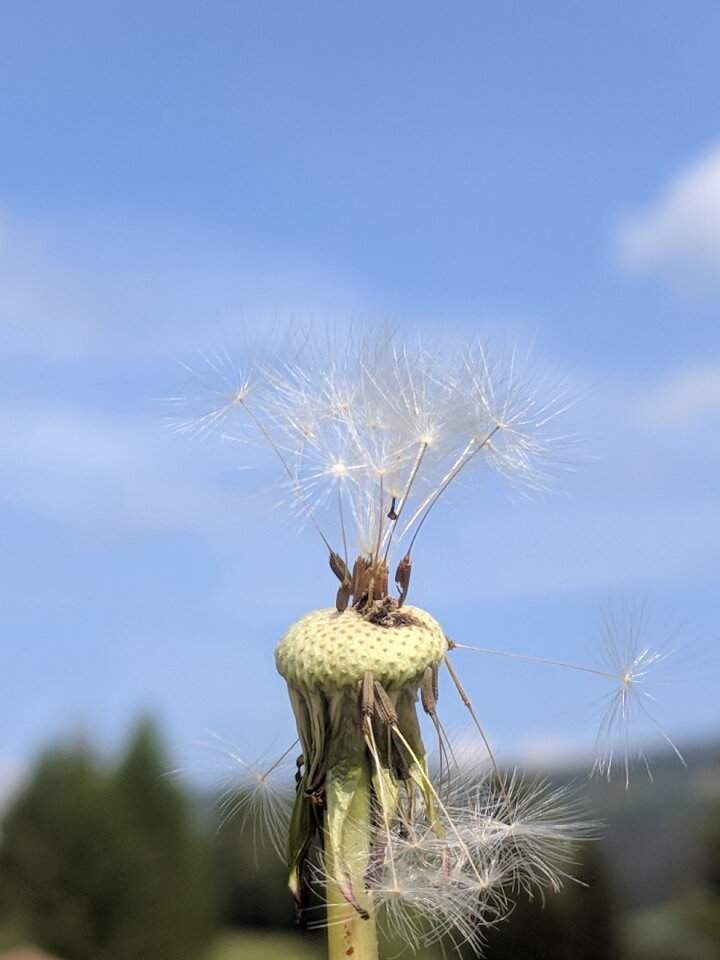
628 711
220 389
635 673
260 798
255 794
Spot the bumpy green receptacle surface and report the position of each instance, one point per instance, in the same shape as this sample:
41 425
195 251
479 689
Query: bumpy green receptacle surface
328 649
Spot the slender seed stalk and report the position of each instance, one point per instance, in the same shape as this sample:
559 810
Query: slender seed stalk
472 449
404 500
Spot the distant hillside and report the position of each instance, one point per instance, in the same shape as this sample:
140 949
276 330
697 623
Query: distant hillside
653 835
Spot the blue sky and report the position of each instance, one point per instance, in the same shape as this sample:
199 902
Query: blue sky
173 174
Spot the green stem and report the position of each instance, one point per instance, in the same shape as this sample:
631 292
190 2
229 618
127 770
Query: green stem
349 934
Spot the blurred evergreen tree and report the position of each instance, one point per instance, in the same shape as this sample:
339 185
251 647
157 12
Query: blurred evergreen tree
98 864
57 859
588 909
577 924
688 926
711 847
252 873
699 910
165 876
533 931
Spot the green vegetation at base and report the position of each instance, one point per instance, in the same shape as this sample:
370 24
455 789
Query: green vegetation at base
256 945
106 861
106 864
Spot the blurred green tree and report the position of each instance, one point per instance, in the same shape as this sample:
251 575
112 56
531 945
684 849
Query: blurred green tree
251 872
579 922
101 864
698 912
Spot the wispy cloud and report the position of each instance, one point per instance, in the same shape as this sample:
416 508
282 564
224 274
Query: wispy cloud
678 236
689 397
139 290
549 751
100 473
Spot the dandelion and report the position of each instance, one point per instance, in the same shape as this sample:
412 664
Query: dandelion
370 436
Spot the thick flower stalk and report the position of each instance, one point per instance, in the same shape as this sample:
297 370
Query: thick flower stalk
369 437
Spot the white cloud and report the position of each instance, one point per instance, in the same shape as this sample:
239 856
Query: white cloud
138 290
679 236
690 397
550 752
91 471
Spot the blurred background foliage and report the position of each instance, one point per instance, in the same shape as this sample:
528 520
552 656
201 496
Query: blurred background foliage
121 861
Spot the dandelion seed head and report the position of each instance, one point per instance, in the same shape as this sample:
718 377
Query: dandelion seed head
367 426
